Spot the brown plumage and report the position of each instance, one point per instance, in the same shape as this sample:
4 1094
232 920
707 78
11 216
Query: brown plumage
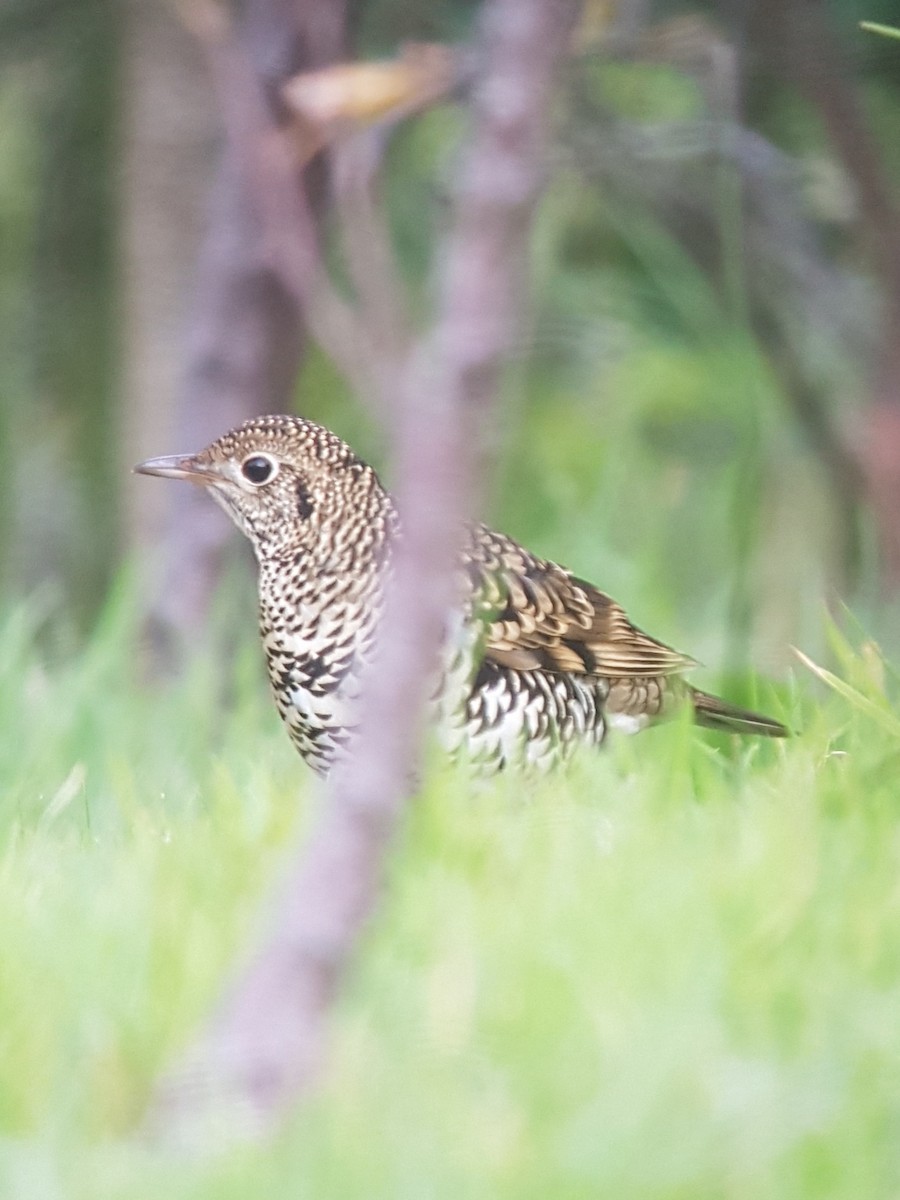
536 661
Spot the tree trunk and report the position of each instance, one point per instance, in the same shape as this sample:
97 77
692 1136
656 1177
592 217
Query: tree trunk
244 332
169 134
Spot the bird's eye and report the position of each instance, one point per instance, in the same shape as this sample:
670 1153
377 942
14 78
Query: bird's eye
259 468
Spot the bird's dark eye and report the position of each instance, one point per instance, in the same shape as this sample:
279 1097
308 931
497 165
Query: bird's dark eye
259 468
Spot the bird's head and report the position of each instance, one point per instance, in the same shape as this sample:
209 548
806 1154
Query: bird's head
290 485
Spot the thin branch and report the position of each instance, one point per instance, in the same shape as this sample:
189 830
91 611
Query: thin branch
421 75
263 1048
367 340
271 161
371 263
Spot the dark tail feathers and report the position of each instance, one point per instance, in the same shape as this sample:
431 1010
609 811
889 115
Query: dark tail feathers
713 713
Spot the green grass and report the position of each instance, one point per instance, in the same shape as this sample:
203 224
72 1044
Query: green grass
672 971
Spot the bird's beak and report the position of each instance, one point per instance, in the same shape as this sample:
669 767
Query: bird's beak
178 466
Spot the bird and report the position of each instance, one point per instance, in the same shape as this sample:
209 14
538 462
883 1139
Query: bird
537 661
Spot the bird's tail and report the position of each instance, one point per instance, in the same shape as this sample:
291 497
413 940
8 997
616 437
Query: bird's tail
714 713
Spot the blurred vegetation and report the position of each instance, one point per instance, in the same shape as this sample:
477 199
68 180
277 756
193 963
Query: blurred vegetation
59 94
647 439
673 972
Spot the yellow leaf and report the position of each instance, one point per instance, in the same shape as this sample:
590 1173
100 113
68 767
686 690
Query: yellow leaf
366 92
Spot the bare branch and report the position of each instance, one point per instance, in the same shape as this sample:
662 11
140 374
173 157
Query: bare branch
270 157
371 263
366 341
264 1046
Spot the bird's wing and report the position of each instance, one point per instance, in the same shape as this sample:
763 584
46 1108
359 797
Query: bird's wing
538 615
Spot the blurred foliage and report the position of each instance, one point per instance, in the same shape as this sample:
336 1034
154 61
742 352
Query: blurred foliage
646 438
672 970
59 419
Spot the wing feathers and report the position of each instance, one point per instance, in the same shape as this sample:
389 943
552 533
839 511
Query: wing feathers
538 615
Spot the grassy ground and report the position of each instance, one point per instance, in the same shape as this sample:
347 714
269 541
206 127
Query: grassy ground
673 971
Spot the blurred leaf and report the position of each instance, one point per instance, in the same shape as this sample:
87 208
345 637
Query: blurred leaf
884 30
361 93
643 91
